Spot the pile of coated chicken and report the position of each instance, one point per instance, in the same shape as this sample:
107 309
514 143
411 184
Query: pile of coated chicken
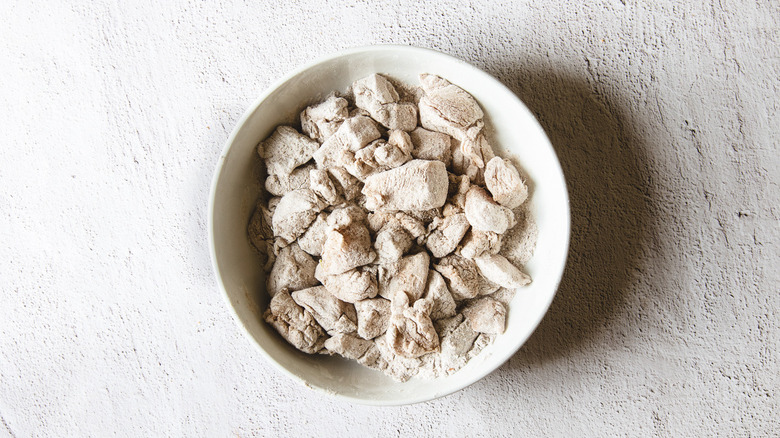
383 237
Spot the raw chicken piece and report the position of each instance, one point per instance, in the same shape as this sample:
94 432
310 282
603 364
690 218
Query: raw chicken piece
398 367
446 233
261 235
414 226
477 150
408 277
417 185
458 341
295 323
348 346
347 184
411 332
348 243
477 243
373 316
334 315
401 141
501 271
391 242
485 315
320 183
463 277
484 214
295 213
293 270
430 145
446 107
282 184
323 120
436 291
285 150
378 96
353 134
459 186
445 326
314 238
351 286
504 183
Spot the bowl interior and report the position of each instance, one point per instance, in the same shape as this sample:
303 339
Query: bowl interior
516 134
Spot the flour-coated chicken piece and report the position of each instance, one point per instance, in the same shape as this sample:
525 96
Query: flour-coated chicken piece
504 183
332 314
373 316
411 332
295 324
484 214
347 243
447 108
295 212
379 97
463 277
314 238
436 291
409 277
351 286
282 184
293 270
324 119
431 145
501 271
285 150
417 185
322 185
353 134
348 346
485 315
391 242
477 243
446 233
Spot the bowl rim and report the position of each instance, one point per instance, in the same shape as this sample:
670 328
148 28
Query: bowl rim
505 356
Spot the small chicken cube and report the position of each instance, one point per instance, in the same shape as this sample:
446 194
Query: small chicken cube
431 145
463 277
446 233
351 286
373 316
446 107
485 315
484 214
417 185
295 212
391 242
335 316
295 324
378 96
408 278
293 270
324 119
411 332
314 238
282 184
353 134
477 243
504 183
437 292
501 271
285 150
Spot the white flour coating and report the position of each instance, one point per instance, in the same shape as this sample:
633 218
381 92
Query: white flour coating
392 242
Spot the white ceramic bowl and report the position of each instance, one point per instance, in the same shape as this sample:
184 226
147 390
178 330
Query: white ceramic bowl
234 192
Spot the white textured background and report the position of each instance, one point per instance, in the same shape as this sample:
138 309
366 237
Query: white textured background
664 116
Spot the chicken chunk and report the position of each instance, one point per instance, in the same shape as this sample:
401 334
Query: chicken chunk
391 242
431 145
417 185
484 214
463 277
411 333
324 119
314 238
446 233
295 324
501 271
504 183
477 150
485 315
351 286
321 184
409 276
347 243
459 340
295 212
345 183
447 108
373 316
293 270
282 184
436 291
477 243
285 150
335 316
348 346
378 96
353 134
